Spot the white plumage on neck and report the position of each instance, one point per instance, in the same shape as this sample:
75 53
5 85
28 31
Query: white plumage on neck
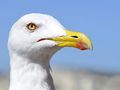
29 74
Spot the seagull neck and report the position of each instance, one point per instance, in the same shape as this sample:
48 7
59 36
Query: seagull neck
27 74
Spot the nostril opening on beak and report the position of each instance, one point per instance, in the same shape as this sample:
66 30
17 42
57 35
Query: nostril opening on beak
74 36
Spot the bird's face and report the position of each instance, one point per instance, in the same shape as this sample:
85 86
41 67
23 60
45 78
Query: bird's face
36 34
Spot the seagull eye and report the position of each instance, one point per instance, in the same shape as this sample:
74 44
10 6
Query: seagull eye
31 26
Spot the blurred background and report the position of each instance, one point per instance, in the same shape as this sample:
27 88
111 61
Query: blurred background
72 69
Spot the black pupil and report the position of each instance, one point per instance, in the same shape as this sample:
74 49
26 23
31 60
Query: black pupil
32 26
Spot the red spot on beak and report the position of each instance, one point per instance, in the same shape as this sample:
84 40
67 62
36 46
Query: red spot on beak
82 46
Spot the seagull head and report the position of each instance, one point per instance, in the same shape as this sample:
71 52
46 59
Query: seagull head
39 34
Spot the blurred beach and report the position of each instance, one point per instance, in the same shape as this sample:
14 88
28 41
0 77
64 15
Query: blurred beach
66 79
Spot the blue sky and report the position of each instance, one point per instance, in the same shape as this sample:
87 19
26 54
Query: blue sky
99 19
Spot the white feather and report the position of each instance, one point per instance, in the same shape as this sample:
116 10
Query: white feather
29 60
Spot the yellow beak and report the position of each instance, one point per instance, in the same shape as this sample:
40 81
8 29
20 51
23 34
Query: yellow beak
74 39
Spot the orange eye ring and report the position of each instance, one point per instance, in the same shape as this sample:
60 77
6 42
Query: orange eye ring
31 26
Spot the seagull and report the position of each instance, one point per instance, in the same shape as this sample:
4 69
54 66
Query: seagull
32 41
